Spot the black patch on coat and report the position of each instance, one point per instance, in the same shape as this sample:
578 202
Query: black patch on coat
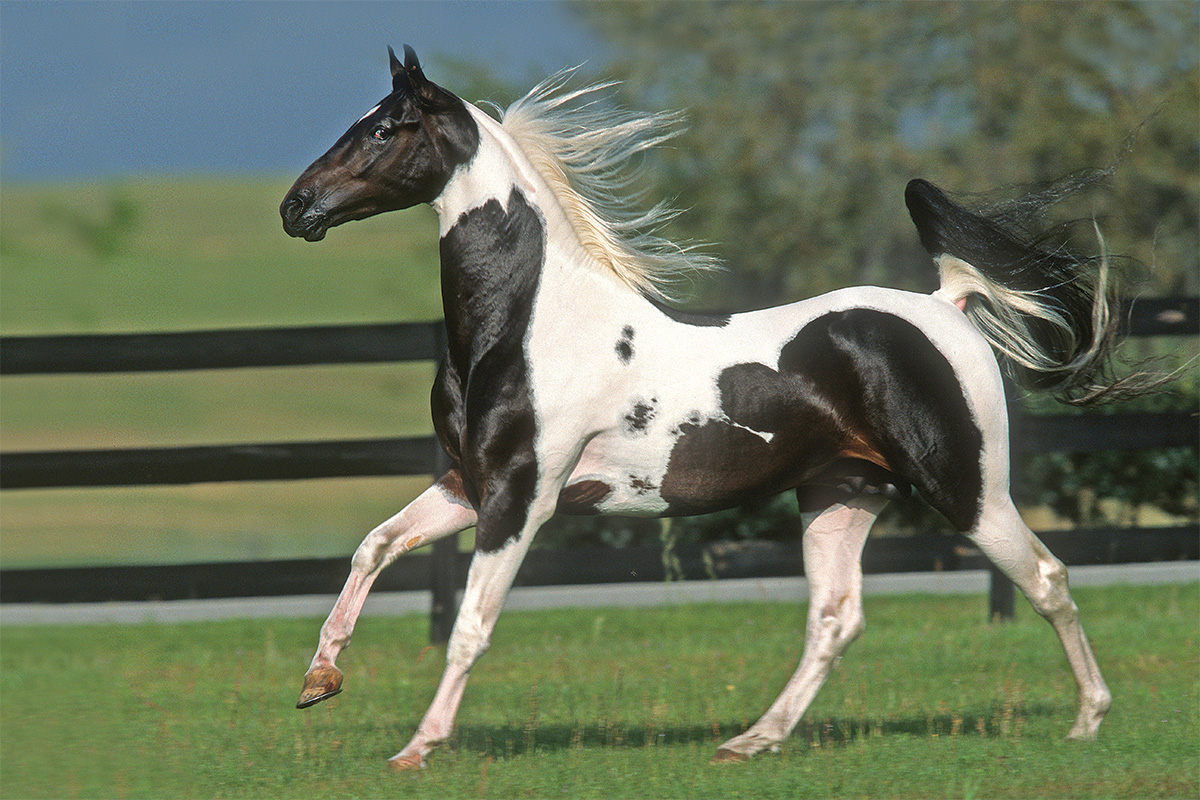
639 418
625 345
703 320
694 420
861 402
641 484
583 496
491 264
449 423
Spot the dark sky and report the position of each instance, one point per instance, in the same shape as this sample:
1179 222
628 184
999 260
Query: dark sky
102 89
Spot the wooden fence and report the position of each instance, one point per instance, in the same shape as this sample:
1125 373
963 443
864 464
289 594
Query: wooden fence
443 571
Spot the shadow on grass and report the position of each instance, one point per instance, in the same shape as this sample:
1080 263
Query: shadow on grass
1001 721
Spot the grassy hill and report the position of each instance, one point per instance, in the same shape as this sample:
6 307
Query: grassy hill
185 254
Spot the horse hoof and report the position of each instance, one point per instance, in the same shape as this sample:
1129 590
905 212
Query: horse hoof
725 756
403 763
320 684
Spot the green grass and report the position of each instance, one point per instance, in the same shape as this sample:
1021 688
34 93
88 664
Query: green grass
204 252
185 254
932 702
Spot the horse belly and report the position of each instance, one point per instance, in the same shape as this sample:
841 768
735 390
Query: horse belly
615 477
695 465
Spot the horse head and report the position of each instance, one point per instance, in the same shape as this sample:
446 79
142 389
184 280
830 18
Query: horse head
399 154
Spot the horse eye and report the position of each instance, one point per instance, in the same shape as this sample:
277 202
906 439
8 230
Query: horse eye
381 134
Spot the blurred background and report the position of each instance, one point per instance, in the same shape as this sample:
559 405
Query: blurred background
144 148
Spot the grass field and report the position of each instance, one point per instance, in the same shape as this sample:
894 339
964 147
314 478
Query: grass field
932 702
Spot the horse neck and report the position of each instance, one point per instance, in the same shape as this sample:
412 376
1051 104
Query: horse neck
504 241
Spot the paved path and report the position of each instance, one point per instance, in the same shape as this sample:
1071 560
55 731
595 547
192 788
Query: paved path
967 582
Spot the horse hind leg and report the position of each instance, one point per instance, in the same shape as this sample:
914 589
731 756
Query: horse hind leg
434 514
1005 538
833 542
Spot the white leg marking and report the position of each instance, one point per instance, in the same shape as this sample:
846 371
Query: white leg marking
432 515
833 543
488 582
1007 541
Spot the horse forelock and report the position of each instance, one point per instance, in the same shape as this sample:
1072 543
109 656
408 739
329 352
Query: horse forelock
584 149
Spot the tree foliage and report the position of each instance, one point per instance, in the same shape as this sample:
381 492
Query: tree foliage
807 119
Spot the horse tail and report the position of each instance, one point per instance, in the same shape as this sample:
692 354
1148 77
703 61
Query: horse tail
1051 315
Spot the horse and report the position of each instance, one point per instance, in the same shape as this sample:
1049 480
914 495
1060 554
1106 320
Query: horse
572 382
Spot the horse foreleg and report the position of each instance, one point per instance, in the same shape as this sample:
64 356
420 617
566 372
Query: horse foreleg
833 543
488 582
436 513
1007 541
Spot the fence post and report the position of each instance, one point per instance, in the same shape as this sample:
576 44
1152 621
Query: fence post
1001 592
443 569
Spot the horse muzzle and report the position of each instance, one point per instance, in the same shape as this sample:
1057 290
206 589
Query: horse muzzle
302 217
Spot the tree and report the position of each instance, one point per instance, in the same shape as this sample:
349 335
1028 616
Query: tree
807 119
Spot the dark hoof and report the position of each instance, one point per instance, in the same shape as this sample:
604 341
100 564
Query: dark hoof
320 684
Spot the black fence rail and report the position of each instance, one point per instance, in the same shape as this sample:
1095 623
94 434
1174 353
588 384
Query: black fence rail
581 565
444 571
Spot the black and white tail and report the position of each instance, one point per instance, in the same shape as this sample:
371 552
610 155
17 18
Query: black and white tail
1050 315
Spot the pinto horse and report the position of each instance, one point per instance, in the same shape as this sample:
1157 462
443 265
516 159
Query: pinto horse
571 384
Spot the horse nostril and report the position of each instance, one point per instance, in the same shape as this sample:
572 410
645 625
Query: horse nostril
293 206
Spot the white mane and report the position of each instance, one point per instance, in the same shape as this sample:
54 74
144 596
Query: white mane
583 151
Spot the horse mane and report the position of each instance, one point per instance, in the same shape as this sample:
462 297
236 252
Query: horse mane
585 150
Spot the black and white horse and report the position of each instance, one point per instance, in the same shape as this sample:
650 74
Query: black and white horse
569 383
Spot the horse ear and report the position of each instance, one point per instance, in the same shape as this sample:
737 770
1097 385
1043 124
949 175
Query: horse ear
397 67
410 61
408 77
400 78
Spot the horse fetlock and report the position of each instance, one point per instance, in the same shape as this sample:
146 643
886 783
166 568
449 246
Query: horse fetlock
1085 729
320 683
412 757
741 748
407 762
1091 713
726 756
